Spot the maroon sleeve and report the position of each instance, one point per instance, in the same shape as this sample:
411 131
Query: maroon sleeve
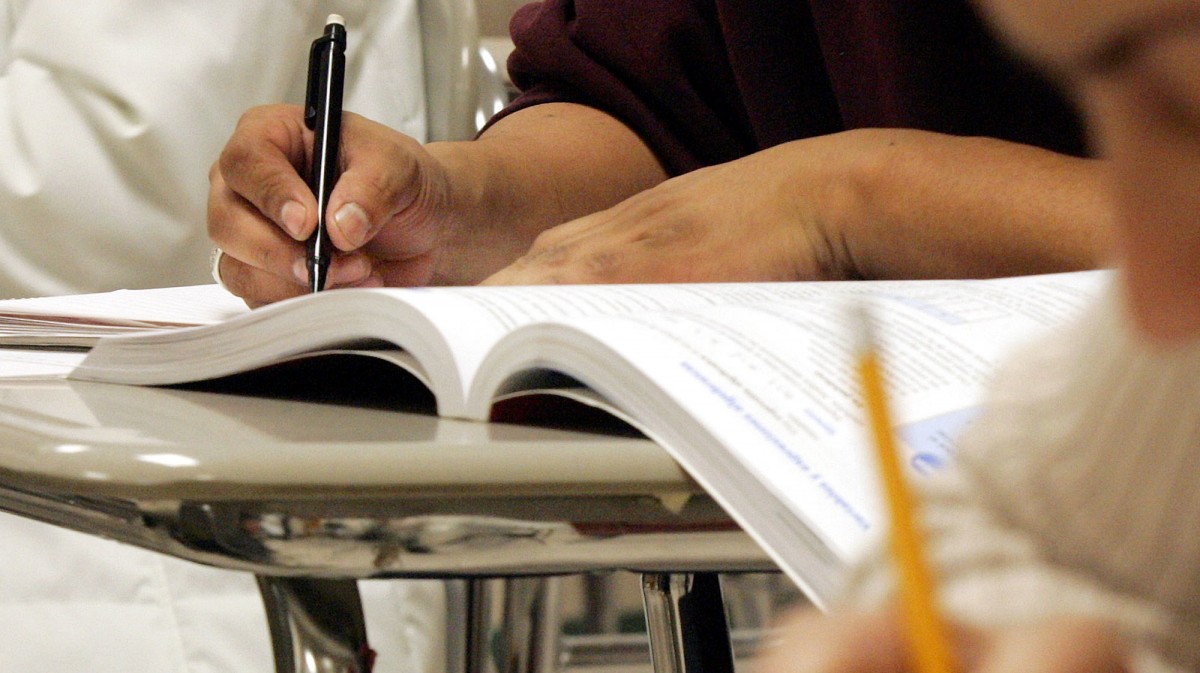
935 65
659 66
708 81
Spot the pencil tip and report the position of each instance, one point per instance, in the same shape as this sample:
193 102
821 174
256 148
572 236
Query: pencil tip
862 324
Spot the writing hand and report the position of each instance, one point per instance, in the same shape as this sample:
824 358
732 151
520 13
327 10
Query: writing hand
384 213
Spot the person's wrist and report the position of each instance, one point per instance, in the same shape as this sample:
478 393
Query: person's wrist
478 202
827 185
464 186
863 185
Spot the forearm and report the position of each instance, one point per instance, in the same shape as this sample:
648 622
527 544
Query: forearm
534 169
917 205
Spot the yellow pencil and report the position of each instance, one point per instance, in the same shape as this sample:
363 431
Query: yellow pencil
926 631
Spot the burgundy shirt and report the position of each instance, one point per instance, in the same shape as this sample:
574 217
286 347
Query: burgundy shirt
708 81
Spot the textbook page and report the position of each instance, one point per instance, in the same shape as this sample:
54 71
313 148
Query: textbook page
474 319
759 401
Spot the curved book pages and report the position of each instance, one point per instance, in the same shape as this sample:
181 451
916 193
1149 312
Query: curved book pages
750 386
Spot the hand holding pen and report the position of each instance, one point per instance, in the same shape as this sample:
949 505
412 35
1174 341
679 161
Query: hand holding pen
323 114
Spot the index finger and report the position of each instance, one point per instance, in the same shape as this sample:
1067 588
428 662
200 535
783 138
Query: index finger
263 161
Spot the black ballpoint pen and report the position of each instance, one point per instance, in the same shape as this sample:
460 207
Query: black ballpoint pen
323 114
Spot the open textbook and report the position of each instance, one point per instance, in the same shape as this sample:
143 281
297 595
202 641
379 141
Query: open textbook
750 386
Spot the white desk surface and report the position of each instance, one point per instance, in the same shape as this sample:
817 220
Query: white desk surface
131 442
284 487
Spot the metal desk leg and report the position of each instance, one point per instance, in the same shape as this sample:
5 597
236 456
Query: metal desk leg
601 613
685 617
477 650
522 612
531 618
459 627
316 625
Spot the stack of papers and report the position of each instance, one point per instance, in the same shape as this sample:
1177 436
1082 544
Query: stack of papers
77 321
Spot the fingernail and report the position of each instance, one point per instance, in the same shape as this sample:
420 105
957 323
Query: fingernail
351 220
349 269
291 216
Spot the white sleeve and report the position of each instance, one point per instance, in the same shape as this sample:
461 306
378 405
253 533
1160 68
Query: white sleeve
384 67
1073 494
111 114
991 573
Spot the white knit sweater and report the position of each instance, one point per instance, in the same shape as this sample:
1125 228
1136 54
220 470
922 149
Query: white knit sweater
1077 492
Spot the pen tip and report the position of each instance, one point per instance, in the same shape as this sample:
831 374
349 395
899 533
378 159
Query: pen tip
335 18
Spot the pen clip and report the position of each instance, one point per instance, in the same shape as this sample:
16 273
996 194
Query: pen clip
314 74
